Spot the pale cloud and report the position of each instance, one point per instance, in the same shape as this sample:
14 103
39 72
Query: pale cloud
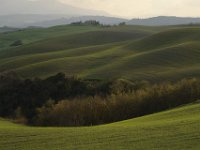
141 8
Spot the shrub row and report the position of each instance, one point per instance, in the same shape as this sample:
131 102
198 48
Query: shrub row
98 110
26 95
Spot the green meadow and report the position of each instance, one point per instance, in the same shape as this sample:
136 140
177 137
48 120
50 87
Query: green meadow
131 52
170 130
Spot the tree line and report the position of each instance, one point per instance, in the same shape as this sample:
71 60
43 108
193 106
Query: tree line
94 111
61 100
27 95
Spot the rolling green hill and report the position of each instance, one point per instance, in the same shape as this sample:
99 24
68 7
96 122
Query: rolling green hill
72 41
30 35
125 52
132 52
174 129
7 29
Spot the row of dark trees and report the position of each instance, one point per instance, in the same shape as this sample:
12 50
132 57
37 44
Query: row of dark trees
88 22
95 23
61 100
30 94
98 110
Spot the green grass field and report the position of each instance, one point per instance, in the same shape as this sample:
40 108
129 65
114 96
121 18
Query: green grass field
128 52
33 35
131 52
176 129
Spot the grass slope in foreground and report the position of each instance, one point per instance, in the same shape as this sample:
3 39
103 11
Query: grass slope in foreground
176 129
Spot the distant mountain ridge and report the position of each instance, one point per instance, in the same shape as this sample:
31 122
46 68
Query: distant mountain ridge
164 20
43 7
102 19
48 20
24 20
20 13
155 21
46 13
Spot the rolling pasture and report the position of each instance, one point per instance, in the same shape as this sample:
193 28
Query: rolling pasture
97 52
131 52
173 129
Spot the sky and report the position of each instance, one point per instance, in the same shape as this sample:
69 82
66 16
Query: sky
141 8
117 8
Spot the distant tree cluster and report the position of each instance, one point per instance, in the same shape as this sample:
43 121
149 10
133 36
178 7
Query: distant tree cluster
122 24
77 23
96 23
92 22
88 22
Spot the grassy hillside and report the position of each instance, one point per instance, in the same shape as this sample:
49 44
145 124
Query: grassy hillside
72 41
30 35
173 129
7 29
132 52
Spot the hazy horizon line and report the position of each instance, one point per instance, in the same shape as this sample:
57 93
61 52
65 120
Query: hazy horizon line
113 16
